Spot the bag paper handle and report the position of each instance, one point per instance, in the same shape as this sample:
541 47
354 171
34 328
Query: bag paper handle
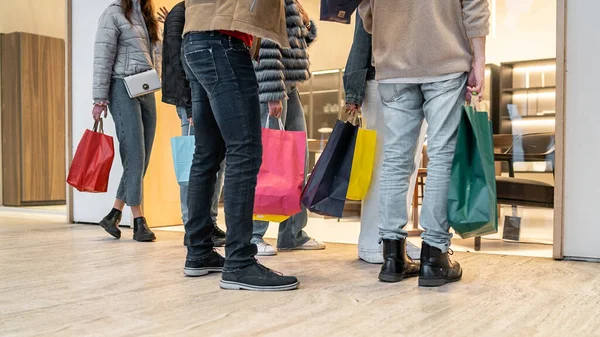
474 100
281 127
99 126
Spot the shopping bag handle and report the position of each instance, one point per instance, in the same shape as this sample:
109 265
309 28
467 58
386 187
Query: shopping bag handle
474 100
99 126
281 127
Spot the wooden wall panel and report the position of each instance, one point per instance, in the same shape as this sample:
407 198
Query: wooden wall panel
11 123
33 116
43 108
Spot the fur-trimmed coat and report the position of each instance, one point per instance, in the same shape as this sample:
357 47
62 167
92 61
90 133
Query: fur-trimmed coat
277 68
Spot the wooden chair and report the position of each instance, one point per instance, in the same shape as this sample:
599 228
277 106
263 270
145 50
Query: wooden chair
536 147
420 185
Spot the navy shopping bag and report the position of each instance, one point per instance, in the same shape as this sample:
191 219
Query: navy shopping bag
326 189
338 10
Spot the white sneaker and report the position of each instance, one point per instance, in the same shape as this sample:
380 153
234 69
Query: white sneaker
265 249
311 244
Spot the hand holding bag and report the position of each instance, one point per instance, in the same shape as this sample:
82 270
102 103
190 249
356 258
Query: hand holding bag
92 162
472 203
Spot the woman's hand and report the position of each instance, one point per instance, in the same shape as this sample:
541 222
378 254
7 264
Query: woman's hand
303 13
275 109
98 110
352 109
162 14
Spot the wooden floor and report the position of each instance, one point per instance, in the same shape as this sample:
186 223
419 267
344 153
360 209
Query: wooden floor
71 280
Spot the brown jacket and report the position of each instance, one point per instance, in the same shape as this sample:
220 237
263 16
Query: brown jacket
261 18
423 38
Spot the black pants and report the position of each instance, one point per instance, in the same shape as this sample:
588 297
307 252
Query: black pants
226 113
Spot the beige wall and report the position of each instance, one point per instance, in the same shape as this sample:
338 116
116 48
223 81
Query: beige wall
331 48
41 17
524 30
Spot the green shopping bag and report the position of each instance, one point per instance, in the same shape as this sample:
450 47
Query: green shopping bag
472 203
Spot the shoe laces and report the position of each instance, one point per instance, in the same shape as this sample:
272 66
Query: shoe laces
263 244
267 269
450 251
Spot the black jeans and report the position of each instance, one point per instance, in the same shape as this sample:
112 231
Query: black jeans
226 113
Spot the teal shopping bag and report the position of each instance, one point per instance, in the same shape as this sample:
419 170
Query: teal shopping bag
183 153
472 204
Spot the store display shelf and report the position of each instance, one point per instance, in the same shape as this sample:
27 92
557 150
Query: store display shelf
332 91
509 90
531 117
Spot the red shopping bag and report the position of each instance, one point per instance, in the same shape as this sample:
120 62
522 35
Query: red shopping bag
281 176
92 162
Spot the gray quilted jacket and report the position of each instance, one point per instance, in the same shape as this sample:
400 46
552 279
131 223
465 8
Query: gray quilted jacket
122 48
278 68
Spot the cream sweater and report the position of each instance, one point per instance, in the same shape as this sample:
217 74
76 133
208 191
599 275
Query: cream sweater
423 38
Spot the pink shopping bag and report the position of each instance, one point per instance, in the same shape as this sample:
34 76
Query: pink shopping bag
281 176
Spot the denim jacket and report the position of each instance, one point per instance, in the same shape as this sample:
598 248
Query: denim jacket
359 69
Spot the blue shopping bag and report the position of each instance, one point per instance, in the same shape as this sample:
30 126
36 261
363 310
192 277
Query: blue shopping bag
338 10
183 153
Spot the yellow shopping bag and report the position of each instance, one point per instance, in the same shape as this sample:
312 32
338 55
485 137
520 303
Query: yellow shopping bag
270 217
362 164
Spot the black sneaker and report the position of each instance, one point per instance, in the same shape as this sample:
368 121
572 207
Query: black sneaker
258 278
211 263
218 237
141 231
110 223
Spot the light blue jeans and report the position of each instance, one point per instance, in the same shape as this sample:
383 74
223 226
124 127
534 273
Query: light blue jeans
405 106
370 248
291 233
187 129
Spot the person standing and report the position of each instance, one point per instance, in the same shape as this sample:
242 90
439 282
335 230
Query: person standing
362 95
127 43
279 71
226 114
176 91
429 56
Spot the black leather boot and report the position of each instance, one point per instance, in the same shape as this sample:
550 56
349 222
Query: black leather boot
396 264
110 223
436 268
141 232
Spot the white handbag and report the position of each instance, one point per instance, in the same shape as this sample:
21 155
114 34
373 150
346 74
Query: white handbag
142 83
